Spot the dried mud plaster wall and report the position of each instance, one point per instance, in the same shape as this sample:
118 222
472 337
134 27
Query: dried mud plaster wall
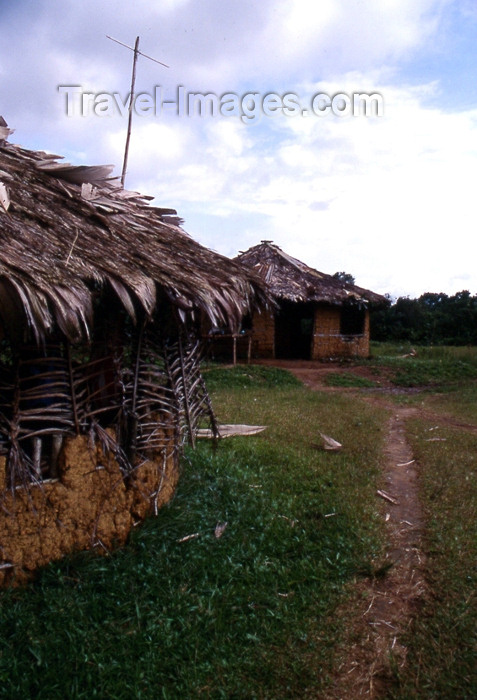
90 506
328 340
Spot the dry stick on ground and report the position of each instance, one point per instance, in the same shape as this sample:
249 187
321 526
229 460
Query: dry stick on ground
387 497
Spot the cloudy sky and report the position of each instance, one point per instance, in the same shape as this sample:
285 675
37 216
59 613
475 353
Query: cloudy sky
390 199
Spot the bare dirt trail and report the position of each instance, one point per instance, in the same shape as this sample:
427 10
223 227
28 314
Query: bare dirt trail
385 604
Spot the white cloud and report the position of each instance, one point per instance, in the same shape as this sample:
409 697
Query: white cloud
388 199
365 195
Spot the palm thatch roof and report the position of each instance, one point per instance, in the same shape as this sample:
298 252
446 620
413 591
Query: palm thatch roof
65 230
290 279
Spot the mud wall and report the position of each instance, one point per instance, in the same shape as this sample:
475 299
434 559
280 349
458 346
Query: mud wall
90 506
263 338
329 343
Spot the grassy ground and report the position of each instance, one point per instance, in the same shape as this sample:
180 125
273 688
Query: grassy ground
181 613
347 380
442 642
460 402
432 367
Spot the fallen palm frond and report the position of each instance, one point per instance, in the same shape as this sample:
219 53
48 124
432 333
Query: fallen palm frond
231 430
330 443
220 529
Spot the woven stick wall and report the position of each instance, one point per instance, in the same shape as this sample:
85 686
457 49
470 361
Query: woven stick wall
152 396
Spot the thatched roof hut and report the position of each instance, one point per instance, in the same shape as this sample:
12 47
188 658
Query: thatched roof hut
67 229
318 315
100 295
292 280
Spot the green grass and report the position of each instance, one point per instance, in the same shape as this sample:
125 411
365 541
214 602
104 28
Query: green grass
255 613
246 615
245 376
460 402
433 373
429 352
431 367
348 379
442 642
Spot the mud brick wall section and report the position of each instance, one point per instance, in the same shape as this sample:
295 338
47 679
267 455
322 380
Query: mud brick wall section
328 342
91 505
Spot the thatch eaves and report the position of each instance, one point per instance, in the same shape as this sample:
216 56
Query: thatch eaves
65 229
290 279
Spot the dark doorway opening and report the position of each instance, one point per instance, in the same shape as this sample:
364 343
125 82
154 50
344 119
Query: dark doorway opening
294 330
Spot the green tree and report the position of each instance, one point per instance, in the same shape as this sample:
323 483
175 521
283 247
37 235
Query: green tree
344 277
433 319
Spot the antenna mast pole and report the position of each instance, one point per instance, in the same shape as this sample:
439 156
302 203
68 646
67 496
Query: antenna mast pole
131 95
131 103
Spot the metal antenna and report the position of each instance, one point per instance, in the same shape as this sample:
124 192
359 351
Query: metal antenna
131 95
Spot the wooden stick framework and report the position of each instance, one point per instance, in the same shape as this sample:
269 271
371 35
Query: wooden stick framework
154 402
131 103
107 262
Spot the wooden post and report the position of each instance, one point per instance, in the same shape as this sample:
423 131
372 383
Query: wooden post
74 404
131 104
131 96
133 419
36 457
56 445
186 396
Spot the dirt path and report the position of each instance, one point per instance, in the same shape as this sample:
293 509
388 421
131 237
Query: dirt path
388 601
385 603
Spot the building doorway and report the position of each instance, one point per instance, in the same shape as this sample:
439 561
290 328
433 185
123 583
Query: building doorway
294 330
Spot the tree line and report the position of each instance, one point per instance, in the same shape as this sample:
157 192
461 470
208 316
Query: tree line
433 319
